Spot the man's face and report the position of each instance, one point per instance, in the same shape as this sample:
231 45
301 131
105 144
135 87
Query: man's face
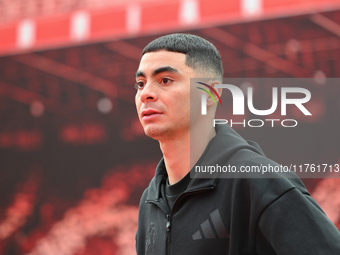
163 94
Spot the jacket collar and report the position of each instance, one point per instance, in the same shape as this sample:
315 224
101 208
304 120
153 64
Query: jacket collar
220 149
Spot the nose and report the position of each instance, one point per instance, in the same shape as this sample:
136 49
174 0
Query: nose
148 93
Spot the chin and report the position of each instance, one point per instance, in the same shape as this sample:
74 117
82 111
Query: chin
156 133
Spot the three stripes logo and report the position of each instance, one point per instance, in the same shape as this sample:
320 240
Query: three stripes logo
207 91
207 228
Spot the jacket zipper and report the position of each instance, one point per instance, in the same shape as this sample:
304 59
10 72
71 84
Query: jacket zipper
168 236
168 225
168 215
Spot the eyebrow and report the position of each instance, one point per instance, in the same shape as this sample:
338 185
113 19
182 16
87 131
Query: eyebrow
158 70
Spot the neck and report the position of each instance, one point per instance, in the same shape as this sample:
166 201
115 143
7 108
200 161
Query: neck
182 153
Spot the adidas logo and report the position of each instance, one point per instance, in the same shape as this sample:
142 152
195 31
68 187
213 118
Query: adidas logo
207 229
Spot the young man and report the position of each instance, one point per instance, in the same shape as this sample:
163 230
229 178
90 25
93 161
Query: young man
179 215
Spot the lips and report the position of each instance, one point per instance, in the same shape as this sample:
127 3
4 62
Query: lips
149 113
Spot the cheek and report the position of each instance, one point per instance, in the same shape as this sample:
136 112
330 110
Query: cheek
182 102
137 102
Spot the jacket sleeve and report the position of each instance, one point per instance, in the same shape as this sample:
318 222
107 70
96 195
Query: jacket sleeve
140 233
295 224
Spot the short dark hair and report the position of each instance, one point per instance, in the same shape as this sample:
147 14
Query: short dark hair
200 54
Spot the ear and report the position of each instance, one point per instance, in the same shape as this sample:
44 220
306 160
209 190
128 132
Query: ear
210 101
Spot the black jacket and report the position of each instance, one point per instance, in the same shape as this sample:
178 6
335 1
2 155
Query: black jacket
234 216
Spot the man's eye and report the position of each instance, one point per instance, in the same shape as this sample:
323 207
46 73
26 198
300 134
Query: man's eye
165 81
139 85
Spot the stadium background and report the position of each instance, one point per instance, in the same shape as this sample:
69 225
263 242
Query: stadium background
73 156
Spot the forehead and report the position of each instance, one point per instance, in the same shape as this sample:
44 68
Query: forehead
153 60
